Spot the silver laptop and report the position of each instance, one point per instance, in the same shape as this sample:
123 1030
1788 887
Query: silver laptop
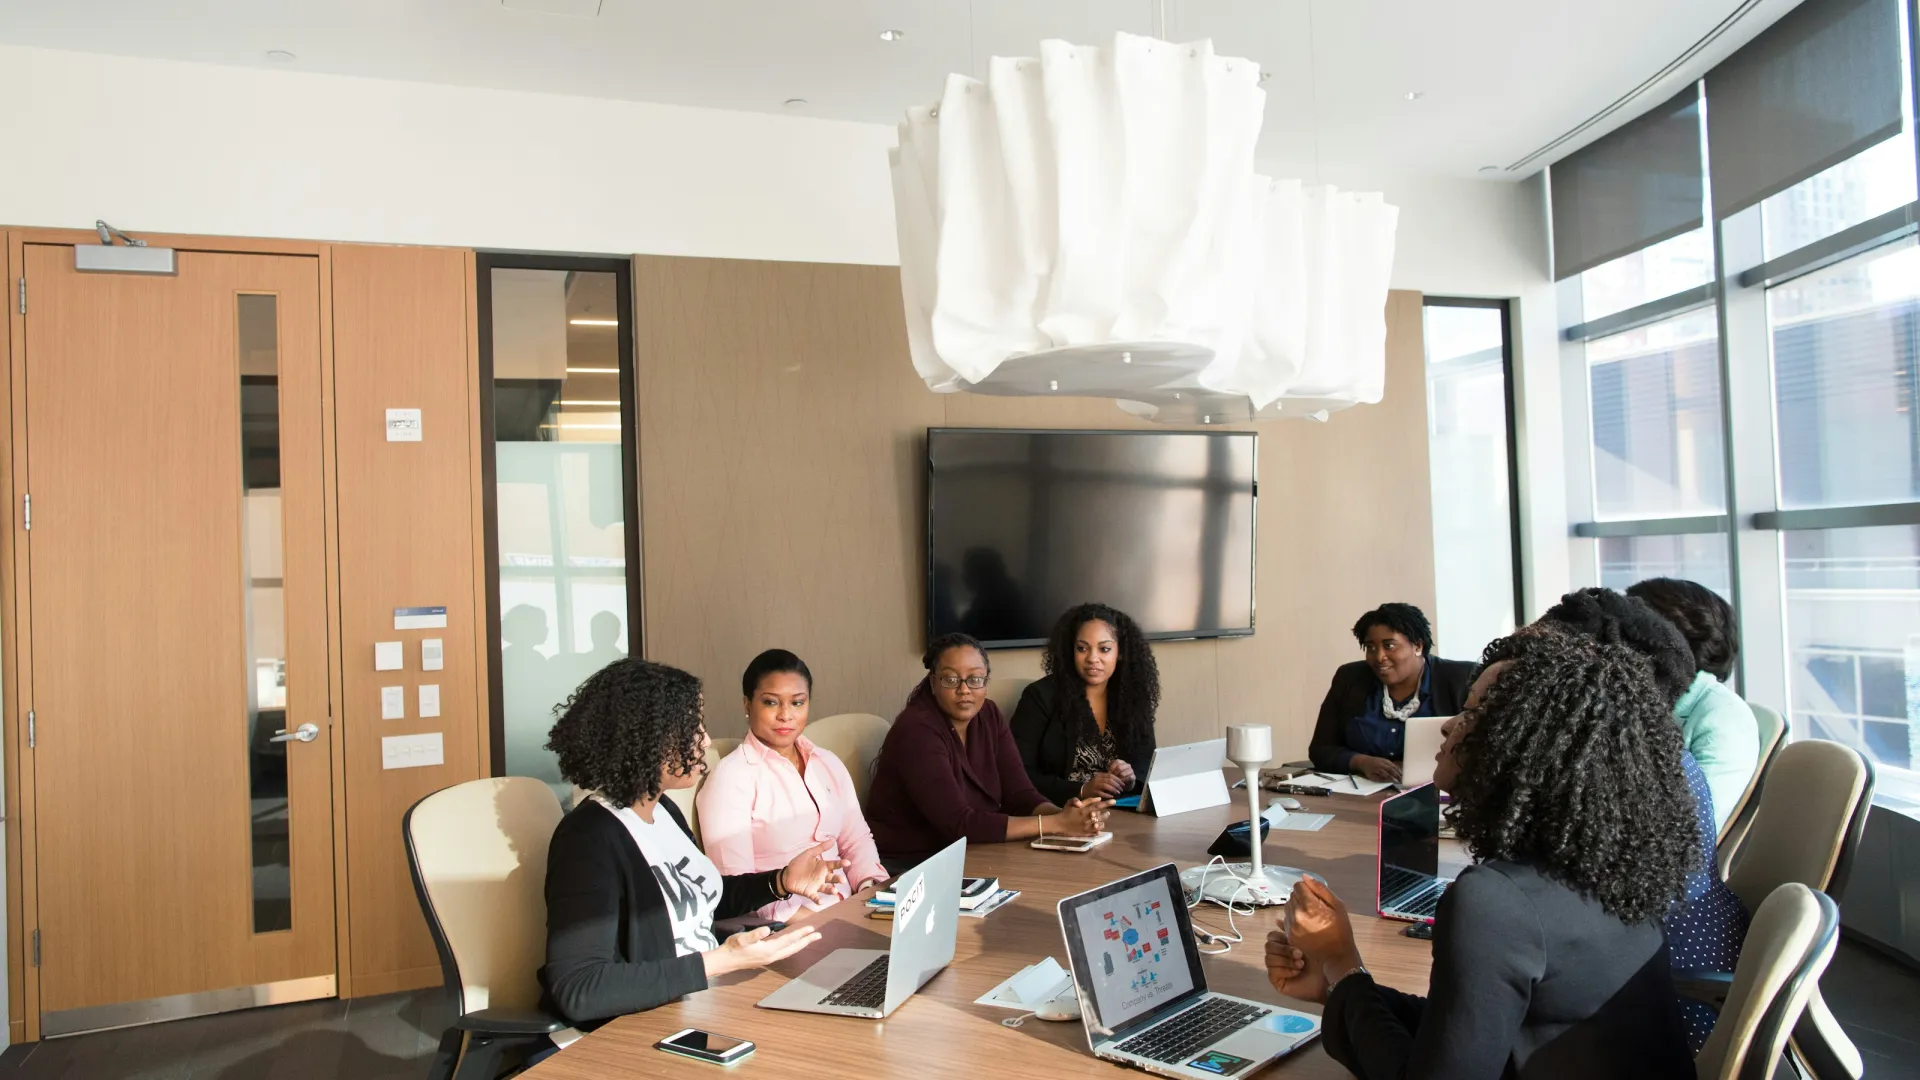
1421 750
1410 885
1143 993
872 982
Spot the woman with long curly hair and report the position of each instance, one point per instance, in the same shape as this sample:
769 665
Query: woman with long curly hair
1085 731
631 901
1549 959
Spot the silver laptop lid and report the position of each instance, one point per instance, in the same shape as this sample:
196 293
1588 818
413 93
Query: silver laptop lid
1133 952
926 921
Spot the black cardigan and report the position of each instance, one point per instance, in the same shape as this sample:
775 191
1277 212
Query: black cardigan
1043 729
1530 980
610 945
1353 683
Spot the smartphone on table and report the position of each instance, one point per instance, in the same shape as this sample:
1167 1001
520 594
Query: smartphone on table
705 1046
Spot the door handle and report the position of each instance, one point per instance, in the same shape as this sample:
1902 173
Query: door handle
304 733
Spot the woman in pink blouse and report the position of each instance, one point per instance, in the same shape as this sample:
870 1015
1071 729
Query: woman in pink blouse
779 794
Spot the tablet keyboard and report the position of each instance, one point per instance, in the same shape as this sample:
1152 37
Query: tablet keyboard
1178 1039
867 989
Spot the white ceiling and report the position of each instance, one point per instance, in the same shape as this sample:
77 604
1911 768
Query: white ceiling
1500 78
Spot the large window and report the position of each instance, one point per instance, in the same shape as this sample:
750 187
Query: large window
1751 388
1470 453
558 348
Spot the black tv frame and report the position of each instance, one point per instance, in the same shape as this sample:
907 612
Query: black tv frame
1253 572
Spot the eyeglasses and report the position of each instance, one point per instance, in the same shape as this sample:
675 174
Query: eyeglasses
952 682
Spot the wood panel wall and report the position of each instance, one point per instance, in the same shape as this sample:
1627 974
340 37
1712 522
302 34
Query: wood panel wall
402 322
782 450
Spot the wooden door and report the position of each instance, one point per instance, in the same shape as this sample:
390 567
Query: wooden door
177 610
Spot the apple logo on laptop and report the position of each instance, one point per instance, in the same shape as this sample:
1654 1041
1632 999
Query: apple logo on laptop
932 913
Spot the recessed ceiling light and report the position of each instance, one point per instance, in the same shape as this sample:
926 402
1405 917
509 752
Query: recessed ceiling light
892 35
1416 95
593 322
1489 168
794 102
280 56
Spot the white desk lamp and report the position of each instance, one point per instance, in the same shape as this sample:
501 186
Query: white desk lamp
1250 746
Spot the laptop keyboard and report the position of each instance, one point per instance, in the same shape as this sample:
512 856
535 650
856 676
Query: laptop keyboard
1405 892
866 990
1177 1040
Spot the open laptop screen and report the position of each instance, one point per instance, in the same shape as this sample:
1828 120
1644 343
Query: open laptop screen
1132 947
1410 831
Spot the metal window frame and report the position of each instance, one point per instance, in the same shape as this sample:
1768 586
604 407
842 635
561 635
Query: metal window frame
1510 394
622 268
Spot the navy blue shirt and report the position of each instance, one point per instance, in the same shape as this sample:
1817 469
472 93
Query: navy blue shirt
1373 734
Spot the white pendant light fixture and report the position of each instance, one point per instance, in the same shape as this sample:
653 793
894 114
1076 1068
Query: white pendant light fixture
1089 223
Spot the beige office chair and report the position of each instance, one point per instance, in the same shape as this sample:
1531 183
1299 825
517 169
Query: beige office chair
478 855
1789 944
684 797
855 739
1806 826
1773 736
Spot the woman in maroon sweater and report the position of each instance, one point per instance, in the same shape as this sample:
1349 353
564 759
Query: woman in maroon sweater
950 768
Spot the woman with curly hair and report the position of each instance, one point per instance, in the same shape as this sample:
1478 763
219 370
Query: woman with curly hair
1708 929
631 901
1086 729
1716 723
1548 955
1363 721
949 768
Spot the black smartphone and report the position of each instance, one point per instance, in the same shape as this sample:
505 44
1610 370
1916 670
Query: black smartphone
705 1046
1422 930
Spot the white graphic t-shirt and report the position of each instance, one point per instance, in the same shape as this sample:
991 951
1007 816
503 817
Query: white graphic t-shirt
688 879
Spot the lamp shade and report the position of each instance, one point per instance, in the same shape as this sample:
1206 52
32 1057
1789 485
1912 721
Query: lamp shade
1089 223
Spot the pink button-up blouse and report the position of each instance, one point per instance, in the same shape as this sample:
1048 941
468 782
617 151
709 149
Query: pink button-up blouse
757 812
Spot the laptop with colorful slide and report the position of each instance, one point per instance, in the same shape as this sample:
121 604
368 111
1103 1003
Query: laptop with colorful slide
1143 994
872 983
1410 885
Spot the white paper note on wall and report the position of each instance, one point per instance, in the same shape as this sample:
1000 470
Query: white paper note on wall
403 425
433 655
393 703
388 656
429 700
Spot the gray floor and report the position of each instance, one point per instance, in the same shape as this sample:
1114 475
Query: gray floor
379 1038
388 1038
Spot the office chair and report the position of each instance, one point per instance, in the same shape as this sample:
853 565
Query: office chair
477 853
855 739
685 797
1773 736
1805 829
1790 943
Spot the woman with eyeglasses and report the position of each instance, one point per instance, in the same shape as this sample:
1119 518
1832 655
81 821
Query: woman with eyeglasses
950 768
1363 721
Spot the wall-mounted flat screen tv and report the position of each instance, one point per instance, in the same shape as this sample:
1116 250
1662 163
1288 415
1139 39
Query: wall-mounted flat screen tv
1022 525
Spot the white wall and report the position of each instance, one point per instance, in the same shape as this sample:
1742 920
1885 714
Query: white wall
195 148
155 145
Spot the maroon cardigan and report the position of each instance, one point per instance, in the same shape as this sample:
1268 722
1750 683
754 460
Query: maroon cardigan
930 790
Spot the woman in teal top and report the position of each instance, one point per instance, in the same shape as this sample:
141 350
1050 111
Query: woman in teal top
1717 725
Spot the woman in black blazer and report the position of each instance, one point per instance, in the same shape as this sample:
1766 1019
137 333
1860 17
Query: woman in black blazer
631 901
1549 959
1086 729
1363 720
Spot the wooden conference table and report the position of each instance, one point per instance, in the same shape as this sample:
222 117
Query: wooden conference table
940 1032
